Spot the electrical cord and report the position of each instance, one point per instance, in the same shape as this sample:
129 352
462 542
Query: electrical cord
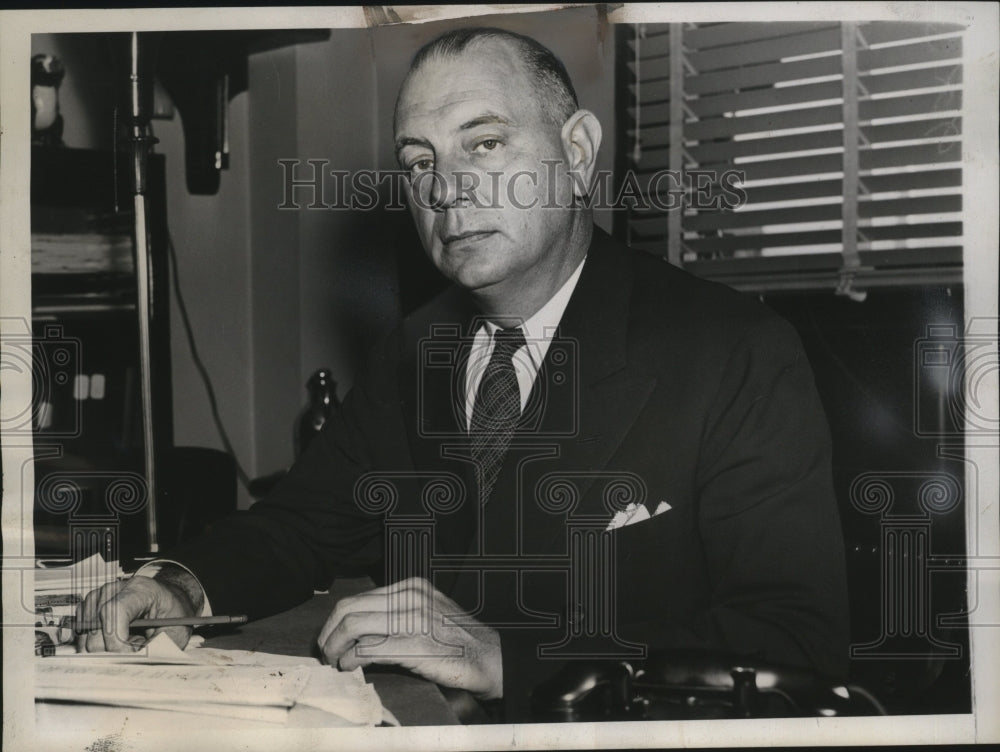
200 366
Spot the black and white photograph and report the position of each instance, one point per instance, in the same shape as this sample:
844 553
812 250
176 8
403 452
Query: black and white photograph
556 376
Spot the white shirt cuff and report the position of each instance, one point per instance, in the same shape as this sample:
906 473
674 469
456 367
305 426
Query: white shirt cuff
152 568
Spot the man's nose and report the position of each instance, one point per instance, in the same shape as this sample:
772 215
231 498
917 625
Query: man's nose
451 188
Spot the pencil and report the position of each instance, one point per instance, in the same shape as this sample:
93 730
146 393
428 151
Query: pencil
185 621
172 621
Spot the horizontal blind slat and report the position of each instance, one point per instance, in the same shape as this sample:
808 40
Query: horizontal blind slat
768 50
766 264
768 97
869 109
789 191
719 35
880 32
863 279
760 75
910 54
937 256
768 240
652 46
769 193
713 152
903 207
902 181
911 231
654 161
910 104
792 166
721 127
720 220
652 93
770 73
902 156
913 256
945 75
914 129
710 153
653 115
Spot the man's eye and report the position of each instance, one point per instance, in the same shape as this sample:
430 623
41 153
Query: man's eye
421 165
489 144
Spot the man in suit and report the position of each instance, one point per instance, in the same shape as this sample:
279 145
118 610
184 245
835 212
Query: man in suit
576 450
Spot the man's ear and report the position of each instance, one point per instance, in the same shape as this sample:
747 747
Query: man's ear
581 138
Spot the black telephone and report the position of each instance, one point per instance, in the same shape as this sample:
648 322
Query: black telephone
690 685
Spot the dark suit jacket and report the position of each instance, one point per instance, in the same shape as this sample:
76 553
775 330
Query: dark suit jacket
659 387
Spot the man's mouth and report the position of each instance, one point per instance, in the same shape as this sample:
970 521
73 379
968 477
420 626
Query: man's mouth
462 238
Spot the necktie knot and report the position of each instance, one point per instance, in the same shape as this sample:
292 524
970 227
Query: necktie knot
508 341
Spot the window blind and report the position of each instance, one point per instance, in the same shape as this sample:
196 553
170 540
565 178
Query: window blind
845 139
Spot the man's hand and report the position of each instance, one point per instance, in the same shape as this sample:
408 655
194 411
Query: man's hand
111 608
411 624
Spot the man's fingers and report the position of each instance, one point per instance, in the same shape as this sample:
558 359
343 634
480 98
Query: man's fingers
369 601
111 609
412 591
401 613
349 629
410 604
417 584
115 615
81 611
87 613
108 611
398 624
354 658
94 642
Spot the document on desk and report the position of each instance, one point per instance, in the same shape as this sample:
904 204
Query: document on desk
231 683
79 578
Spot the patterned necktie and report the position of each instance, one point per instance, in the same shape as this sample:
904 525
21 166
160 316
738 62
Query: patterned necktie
496 411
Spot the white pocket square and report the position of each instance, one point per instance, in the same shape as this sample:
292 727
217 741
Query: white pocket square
634 513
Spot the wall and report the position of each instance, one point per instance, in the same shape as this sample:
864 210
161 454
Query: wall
211 239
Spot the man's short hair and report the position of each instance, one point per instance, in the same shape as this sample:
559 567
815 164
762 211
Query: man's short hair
554 89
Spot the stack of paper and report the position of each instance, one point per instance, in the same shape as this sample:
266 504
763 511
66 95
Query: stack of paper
78 579
229 683
234 684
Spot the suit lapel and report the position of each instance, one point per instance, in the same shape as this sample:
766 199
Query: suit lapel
588 423
431 382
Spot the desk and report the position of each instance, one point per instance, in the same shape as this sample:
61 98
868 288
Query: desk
414 702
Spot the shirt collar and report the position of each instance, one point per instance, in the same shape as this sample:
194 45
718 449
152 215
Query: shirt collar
541 327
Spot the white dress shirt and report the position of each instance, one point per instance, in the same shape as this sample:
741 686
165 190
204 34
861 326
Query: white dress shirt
538 331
